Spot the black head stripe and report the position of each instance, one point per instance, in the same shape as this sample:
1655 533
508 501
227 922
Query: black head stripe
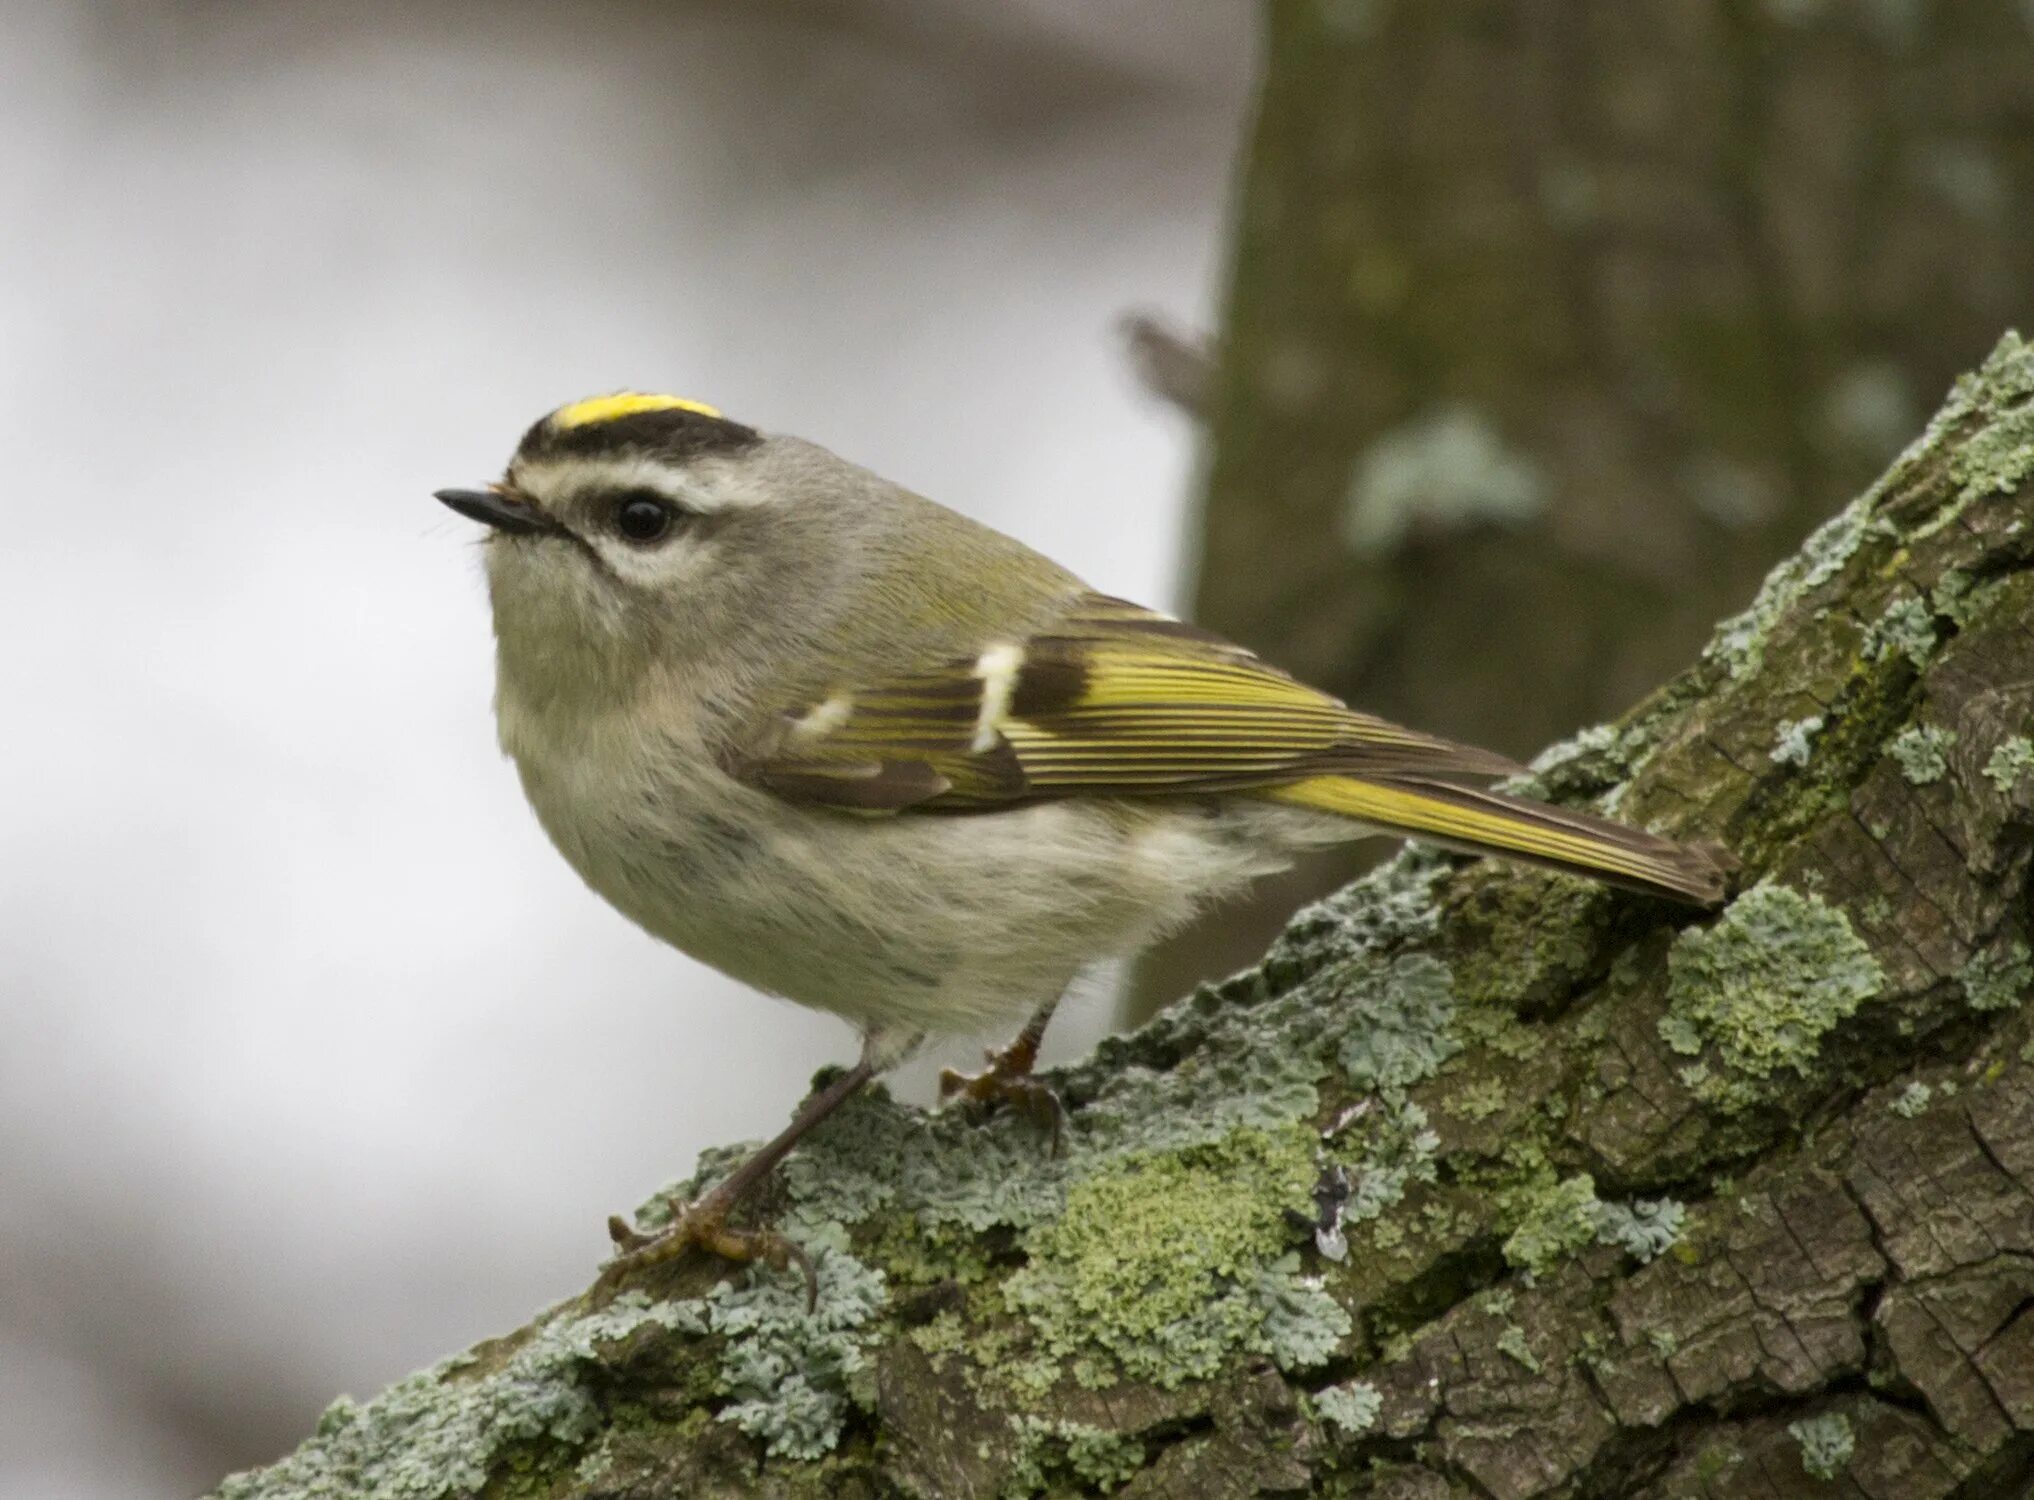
673 433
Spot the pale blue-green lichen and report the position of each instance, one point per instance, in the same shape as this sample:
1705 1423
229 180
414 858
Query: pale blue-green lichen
1299 1325
1645 1228
1597 741
441 1432
1827 1443
1556 1222
1447 470
1960 599
1997 459
1998 981
1992 461
1907 627
1404 1010
1763 985
1913 1100
1740 641
1792 739
1923 753
1391 1149
1513 1344
1096 1459
790 1373
1353 1406
2012 759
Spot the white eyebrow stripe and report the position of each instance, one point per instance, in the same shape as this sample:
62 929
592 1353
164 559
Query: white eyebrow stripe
997 668
568 478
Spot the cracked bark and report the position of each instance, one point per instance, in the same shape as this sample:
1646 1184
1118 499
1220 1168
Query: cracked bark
1701 265
1857 1257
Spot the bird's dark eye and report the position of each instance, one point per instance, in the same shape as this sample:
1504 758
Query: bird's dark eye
644 518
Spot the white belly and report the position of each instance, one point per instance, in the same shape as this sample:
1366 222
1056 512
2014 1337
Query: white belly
920 922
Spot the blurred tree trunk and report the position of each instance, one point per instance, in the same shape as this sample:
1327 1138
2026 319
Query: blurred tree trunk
1486 1185
1553 325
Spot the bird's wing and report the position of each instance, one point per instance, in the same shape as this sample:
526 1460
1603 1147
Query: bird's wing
1112 700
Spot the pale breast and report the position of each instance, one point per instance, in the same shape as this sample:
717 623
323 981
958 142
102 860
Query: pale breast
917 922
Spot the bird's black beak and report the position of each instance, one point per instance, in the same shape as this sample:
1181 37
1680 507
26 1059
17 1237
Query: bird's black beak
499 509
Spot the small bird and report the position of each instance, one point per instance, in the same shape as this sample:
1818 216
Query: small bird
857 750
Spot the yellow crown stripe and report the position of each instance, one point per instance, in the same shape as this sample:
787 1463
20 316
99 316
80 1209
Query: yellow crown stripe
624 404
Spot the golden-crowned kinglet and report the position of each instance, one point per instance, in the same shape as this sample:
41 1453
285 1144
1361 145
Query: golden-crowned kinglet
852 748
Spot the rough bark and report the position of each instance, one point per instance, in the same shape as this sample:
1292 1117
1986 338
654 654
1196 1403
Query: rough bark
1553 326
1485 1183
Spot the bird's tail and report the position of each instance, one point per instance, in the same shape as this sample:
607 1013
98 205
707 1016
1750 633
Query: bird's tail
1479 822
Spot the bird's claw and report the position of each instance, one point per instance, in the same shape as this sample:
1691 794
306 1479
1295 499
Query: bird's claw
1002 1083
703 1226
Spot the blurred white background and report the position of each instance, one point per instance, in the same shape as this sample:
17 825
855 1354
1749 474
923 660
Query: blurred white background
315 1062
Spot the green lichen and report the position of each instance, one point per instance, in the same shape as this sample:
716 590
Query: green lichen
2012 759
1998 981
1792 739
1353 1406
1763 985
1095 1459
1479 1100
1166 1261
1923 753
1553 1224
1827 1443
1913 1100
1685 1037
442 1432
944 1334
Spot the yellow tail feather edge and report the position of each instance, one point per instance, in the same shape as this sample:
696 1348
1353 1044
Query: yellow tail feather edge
1480 822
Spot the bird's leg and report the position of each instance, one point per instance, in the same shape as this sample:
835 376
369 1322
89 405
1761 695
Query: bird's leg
1008 1078
702 1224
